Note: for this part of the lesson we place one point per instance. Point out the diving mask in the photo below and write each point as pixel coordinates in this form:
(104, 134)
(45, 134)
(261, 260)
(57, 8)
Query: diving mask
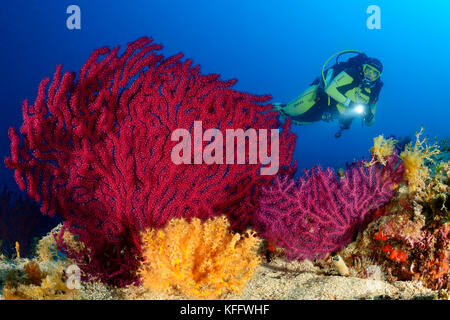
(370, 73)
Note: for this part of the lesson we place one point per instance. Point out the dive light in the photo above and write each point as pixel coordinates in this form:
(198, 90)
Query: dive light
(359, 109)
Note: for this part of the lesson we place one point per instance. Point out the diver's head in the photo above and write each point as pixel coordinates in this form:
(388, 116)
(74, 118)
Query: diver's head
(372, 70)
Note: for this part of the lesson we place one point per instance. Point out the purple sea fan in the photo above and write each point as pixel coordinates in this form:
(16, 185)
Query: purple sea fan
(321, 213)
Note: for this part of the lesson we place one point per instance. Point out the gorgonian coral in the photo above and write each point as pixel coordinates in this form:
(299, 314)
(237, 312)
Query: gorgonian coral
(198, 259)
(321, 213)
(97, 150)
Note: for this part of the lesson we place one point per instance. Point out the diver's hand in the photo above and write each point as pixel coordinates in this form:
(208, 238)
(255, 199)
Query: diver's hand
(347, 103)
(358, 109)
(352, 106)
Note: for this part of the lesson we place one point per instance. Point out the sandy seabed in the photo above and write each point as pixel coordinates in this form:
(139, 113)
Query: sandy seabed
(275, 280)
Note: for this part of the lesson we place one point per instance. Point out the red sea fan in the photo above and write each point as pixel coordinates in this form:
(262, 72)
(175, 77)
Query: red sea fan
(321, 213)
(97, 151)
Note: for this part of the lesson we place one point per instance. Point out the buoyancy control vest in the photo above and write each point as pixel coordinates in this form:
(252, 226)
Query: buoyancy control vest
(353, 66)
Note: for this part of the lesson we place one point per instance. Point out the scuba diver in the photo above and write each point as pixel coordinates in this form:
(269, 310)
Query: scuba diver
(346, 91)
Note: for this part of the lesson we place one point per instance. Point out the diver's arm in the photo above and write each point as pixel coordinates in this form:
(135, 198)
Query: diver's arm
(341, 79)
(369, 119)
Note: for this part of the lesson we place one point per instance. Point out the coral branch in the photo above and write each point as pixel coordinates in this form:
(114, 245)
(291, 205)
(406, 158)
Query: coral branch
(96, 150)
(320, 213)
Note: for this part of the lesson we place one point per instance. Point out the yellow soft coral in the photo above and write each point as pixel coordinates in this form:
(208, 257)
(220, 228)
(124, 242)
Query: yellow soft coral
(414, 161)
(198, 259)
(381, 150)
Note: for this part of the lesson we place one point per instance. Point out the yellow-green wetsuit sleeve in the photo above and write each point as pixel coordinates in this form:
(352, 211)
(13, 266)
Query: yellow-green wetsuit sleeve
(341, 79)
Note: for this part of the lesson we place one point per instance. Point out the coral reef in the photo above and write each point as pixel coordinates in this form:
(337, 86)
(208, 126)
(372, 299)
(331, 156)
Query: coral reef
(403, 253)
(412, 241)
(43, 278)
(444, 148)
(321, 213)
(366, 268)
(409, 239)
(96, 150)
(36, 285)
(198, 259)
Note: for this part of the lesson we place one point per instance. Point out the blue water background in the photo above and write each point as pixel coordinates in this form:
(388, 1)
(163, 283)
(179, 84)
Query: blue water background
(275, 47)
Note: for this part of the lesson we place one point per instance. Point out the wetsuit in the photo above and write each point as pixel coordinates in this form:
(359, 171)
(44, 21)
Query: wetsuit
(317, 103)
